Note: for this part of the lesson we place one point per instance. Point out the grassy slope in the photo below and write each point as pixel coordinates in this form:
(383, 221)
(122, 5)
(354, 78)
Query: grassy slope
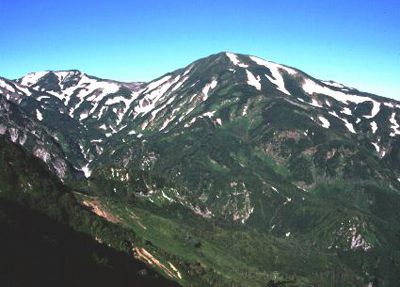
(49, 237)
(206, 252)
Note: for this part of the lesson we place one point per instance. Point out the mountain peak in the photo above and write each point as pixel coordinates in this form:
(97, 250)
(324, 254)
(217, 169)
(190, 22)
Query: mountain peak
(33, 77)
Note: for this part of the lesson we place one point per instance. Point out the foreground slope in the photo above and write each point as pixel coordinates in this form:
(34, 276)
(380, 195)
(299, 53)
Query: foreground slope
(46, 235)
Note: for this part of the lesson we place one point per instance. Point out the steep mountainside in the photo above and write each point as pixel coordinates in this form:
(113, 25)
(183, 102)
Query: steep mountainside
(45, 233)
(245, 146)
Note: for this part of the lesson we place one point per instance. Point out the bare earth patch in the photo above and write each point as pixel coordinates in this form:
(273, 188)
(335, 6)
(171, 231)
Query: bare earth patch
(98, 209)
(145, 256)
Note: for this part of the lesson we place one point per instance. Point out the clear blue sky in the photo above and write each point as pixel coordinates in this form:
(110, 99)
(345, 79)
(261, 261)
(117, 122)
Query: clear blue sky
(351, 41)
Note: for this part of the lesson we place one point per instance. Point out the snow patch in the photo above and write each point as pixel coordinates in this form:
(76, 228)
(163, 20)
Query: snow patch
(333, 84)
(374, 127)
(42, 97)
(157, 92)
(311, 87)
(87, 172)
(166, 197)
(346, 111)
(234, 59)
(13, 134)
(390, 105)
(207, 88)
(6, 86)
(39, 115)
(157, 83)
(315, 103)
(375, 110)
(325, 123)
(209, 114)
(253, 81)
(395, 126)
(179, 84)
(274, 68)
(84, 115)
(349, 126)
(245, 110)
(32, 78)
(376, 147)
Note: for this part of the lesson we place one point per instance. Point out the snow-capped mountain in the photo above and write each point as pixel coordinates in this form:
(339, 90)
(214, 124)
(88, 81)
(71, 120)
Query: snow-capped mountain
(104, 108)
(230, 137)
(98, 115)
(83, 96)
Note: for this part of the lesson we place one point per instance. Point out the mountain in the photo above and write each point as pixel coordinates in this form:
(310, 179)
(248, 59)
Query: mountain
(259, 173)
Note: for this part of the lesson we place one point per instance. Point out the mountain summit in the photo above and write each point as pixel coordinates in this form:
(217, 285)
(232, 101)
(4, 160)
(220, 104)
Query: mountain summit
(299, 176)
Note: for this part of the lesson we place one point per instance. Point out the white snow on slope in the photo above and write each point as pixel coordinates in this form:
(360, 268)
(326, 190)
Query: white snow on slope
(61, 75)
(86, 170)
(315, 103)
(115, 100)
(84, 115)
(374, 127)
(277, 76)
(325, 123)
(311, 87)
(32, 78)
(245, 110)
(208, 87)
(6, 86)
(349, 126)
(42, 97)
(179, 84)
(166, 123)
(166, 197)
(346, 111)
(253, 81)
(376, 147)
(97, 89)
(209, 114)
(86, 86)
(395, 126)
(333, 113)
(39, 115)
(89, 86)
(333, 84)
(156, 84)
(234, 59)
(157, 91)
(127, 102)
(390, 105)
(375, 110)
